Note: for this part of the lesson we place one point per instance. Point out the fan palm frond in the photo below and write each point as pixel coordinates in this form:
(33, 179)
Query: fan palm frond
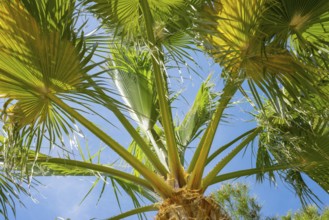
(244, 44)
(302, 136)
(237, 37)
(40, 54)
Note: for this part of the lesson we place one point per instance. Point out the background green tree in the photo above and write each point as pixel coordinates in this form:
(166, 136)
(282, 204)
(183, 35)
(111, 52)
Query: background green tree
(236, 199)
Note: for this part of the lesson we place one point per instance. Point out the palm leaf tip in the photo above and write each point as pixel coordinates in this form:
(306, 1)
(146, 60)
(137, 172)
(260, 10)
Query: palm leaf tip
(198, 115)
(9, 195)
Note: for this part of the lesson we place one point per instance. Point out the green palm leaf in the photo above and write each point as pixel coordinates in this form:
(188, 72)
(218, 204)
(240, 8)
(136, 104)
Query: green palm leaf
(11, 186)
(39, 55)
(136, 188)
(132, 74)
(301, 26)
(10, 190)
(244, 44)
(173, 21)
(133, 78)
(300, 137)
(198, 115)
(123, 17)
(302, 22)
(135, 150)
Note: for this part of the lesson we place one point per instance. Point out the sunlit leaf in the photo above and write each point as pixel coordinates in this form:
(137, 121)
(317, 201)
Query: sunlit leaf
(198, 115)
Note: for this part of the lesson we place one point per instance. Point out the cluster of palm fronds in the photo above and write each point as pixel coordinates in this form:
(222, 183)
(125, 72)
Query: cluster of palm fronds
(53, 76)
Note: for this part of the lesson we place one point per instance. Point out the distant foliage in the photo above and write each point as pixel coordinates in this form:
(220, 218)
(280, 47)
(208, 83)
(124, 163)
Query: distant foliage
(236, 200)
(310, 212)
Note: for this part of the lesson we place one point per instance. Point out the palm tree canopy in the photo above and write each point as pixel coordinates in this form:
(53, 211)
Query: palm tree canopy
(51, 81)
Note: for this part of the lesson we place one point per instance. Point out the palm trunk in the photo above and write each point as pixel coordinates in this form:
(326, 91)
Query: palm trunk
(190, 205)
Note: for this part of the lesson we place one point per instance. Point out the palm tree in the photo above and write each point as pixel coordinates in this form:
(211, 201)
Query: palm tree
(53, 76)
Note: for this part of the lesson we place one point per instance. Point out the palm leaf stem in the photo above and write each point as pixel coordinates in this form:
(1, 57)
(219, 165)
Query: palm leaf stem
(226, 146)
(143, 209)
(174, 162)
(93, 167)
(156, 181)
(157, 138)
(199, 159)
(132, 131)
(213, 173)
(248, 172)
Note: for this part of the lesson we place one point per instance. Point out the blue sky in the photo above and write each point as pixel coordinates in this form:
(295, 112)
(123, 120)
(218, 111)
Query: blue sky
(60, 197)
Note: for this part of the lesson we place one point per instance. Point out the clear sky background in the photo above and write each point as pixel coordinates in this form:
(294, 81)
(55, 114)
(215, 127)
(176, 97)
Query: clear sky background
(60, 197)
